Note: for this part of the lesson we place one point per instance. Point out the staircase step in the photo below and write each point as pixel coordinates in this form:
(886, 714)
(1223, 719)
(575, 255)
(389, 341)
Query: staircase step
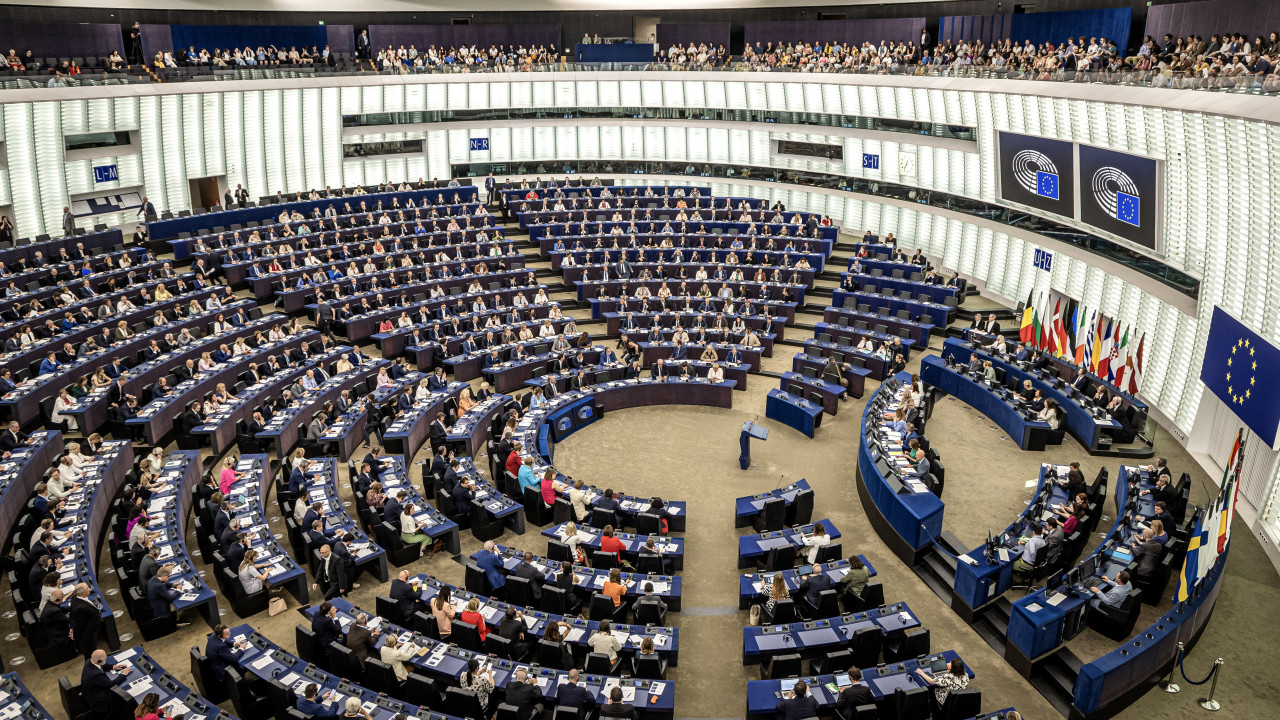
(996, 639)
(803, 326)
(1048, 687)
(952, 544)
(928, 573)
(768, 374)
(1060, 673)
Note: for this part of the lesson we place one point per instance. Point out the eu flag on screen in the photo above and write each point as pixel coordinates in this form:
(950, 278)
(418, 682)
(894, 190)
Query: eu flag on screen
(1047, 184)
(1243, 370)
(1127, 208)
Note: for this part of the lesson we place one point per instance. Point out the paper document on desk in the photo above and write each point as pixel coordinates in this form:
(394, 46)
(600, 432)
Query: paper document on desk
(1056, 598)
(140, 687)
(628, 693)
(575, 635)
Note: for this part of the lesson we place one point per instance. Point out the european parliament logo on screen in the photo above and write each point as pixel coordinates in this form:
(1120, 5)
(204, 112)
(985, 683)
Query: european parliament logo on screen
(1117, 194)
(1120, 194)
(1037, 172)
(1243, 369)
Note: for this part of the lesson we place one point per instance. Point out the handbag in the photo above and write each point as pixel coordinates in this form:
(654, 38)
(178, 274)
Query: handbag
(754, 615)
(277, 606)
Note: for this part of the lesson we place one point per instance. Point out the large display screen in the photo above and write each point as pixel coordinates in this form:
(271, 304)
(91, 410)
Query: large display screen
(1037, 172)
(1119, 194)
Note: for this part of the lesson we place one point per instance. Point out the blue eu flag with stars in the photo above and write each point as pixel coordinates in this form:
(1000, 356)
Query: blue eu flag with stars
(1047, 185)
(1243, 370)
(1128, 208)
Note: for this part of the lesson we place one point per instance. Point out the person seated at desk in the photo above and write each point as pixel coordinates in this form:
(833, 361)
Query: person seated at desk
(1161, 513)
(797, 703)
(954, 679)
(812, 586)
(313, 704)
(815, 541)
(1027, 391)
(1162, 492)
(1115, 594)
(857, 694)
(1048, 411)
(1158, 533)
(989, 372)
(999, 345)
(1032, 546)
(855, 580)
(1025, 353)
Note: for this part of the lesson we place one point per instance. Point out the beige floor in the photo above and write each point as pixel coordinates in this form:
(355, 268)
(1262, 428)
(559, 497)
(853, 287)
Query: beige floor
(691, 454)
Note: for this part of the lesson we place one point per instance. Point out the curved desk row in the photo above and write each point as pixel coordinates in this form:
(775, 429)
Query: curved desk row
(284, 426)
(789, 292)
(670, 548)
(321, 486)
(221, 428)
(699, 254)
(171, 228)
(666, 639)
(19, 702)
(24, 402)
(809, 638)
(598, 374)
(84, 521)
(906, 519)
(347, 432)
(449, 343)
(144, 675)
(1000, 405)
(286, 676)
(512, 374)
(248, 513)
(158, 417)
(918, 289)
(638, 323)
(587, 580)
(22, 471)
(410, 428)
(1080, 419)
(753, 547)
(923, 311)
(919, 332)
(394, 283)
(883, 680)
(678, 270)
(730, 307)
(181, 473)
(754, 587)
(362, 326)
(877, 365)
(394, 478)
(977, 585)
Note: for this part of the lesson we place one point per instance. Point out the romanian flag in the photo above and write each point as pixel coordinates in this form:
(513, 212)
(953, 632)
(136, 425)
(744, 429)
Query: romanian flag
(1026, 329)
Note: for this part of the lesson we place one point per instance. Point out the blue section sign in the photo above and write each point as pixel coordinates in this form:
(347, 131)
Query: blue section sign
(479, 144)
(1043, 259)
(870, 162)
(106, 173)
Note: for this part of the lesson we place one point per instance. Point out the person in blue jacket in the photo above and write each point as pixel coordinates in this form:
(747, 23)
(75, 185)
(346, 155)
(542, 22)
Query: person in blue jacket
(489, 561)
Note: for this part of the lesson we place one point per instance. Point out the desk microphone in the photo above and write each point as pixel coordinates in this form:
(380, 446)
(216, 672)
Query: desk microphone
(780, 479)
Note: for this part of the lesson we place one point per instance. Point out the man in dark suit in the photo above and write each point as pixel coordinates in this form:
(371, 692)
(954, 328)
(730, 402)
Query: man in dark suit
(95, 684)
(325, 625)
(798, 703)
(525, 695)
(579, 698)
(525, 569)
(659, 370)
(85, 619)
(490, 189)
(856, 694)
(403, 596)
(54, 621)
(813, 585)
(1147, 553)
(221, 651)
(437, 430)
(391, 511)
(235, 554)
(331, 575)
(160, 594)
(1162, 492)
(1163, 515)
(360, 638)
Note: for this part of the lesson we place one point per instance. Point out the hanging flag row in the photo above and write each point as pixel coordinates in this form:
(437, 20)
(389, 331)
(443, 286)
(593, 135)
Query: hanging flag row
(1212, 534)
(1066, 329)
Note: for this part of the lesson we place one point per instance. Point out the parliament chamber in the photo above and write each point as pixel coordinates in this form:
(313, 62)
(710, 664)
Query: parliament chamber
(379, 364)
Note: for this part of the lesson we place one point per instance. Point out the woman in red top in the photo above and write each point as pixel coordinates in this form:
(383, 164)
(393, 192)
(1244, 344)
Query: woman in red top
(148, 709)
(472, 616)
(1077, 516)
